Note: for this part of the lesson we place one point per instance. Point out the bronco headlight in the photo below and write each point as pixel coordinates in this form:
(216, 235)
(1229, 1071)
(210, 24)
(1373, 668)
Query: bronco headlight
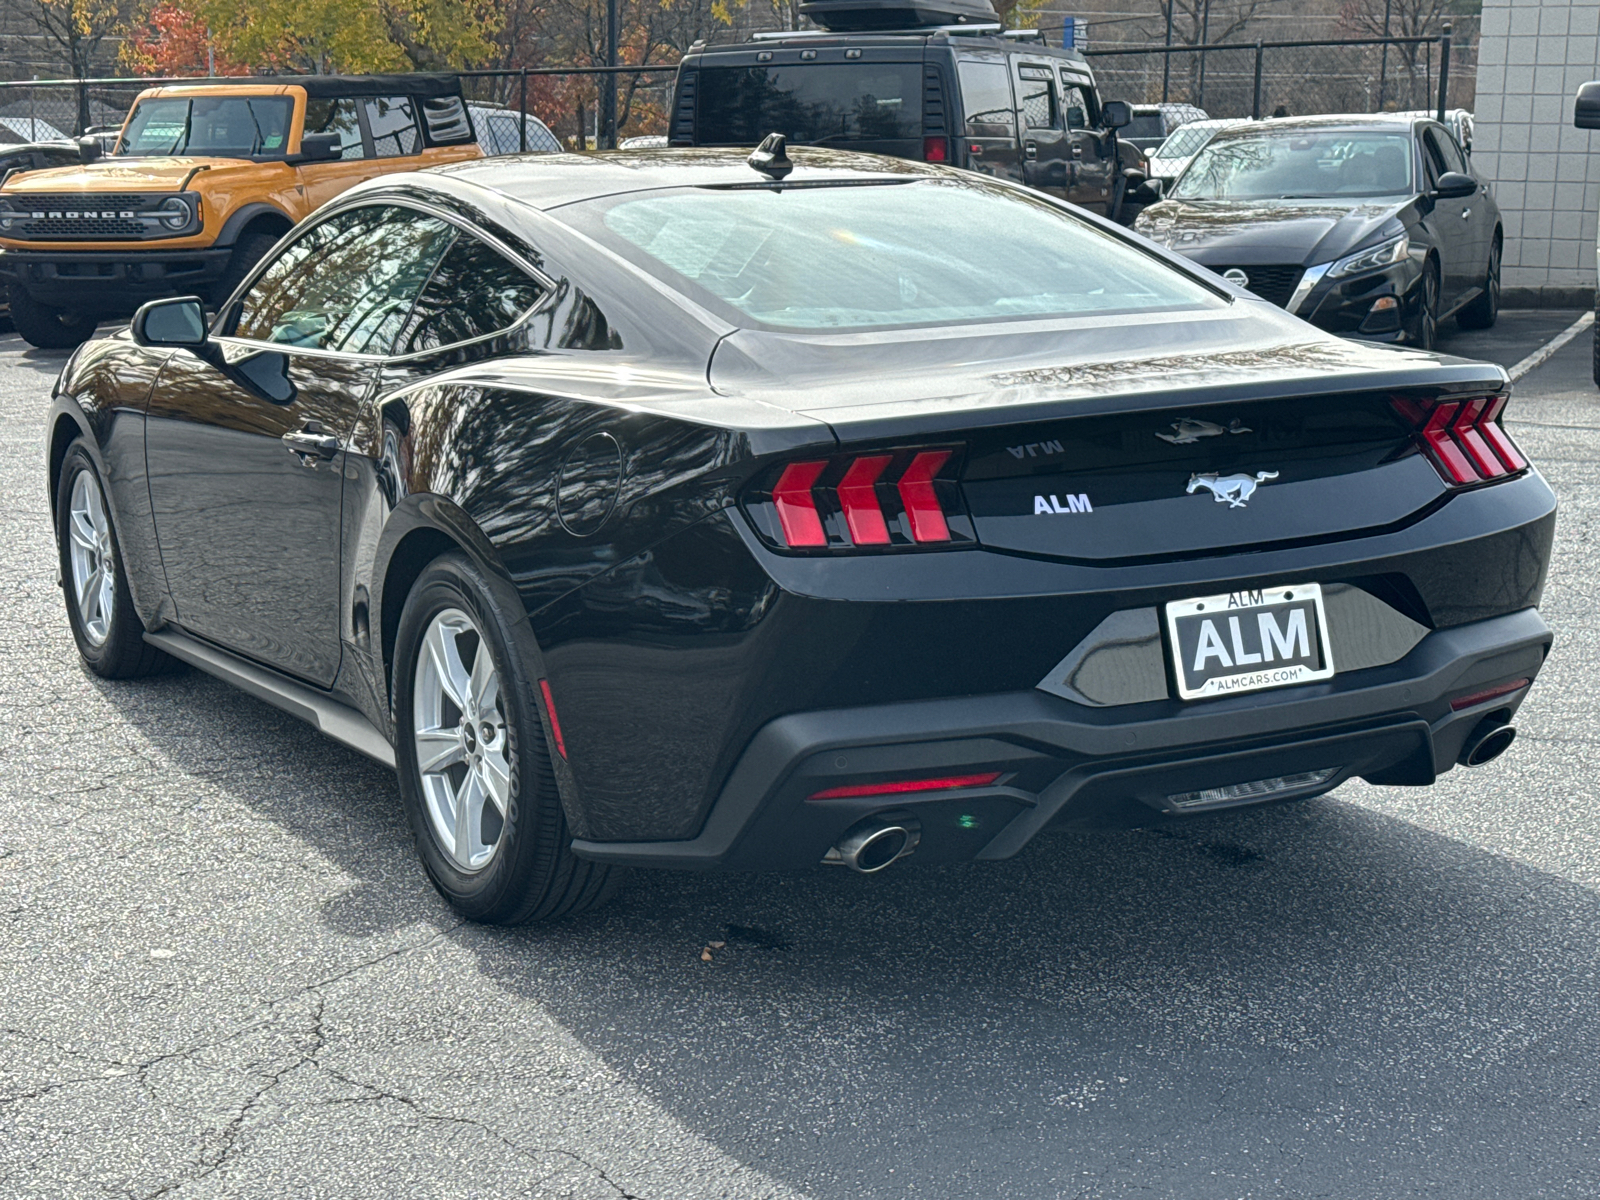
(1383, 255)
(9, 216)
(174, 213)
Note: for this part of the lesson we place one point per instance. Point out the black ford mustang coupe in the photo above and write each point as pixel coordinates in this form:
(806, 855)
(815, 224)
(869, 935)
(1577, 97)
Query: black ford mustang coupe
(683, 509)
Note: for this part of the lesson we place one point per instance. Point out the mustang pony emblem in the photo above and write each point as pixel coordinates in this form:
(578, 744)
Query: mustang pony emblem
(1233, 490)
(1188, 430)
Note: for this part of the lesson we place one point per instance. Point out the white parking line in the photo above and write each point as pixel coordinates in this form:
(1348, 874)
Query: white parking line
(1543, 353)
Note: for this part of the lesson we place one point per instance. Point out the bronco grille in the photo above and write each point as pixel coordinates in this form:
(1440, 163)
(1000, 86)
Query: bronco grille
(1273, 284)
(91, 216)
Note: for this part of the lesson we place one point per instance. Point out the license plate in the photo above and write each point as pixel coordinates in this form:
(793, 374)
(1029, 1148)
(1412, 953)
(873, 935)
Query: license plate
(1247, 641)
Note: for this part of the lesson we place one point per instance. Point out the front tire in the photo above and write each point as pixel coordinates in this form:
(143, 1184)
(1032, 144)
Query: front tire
(100, 610)
(1426, 330)
(475, 774)
(1483, 312)
(247, 252)
(46, 326)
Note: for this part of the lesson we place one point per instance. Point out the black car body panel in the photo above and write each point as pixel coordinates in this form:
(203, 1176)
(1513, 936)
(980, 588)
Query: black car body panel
(1283, 247)
(603, 459)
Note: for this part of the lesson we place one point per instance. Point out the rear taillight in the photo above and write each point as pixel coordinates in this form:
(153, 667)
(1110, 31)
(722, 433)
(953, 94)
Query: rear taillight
(1462, 438)
(887, 499)
(935, 149)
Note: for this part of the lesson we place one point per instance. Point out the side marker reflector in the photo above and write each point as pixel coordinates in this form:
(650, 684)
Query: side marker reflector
(897, 787)
(555, 721)
(1494, 693)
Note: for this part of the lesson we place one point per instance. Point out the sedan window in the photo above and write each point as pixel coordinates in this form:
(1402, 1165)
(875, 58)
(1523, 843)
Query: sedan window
(884, 255)
(346, 284)
(1299, 165)
(476, 291)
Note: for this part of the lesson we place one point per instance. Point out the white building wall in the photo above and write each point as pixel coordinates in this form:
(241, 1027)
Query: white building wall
(1532, 57)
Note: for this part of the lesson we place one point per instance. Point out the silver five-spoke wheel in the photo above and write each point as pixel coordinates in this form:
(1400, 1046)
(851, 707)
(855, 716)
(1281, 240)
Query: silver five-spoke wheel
(460, 736)
(94, 579)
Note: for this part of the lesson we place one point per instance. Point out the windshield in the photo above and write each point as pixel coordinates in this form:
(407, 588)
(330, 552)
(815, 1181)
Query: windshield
(883, 255)
(1297, 164)
(1184, 141)
(826, 104)
(227, 126)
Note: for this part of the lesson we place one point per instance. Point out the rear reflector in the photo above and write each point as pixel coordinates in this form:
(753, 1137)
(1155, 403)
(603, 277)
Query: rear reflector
(922, 505)
(555, 721)
(891, 499)
(898, 787)
(935, 149)
(1494, 693)
(797, 508)
(1463, 438)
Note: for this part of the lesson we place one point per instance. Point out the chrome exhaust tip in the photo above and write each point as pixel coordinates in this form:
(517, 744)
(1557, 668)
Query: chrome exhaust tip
(876, 843)
(1487, 742)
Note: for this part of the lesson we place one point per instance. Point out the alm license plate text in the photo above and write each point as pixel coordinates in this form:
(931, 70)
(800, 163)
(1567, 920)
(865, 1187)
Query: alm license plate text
(1246, 641)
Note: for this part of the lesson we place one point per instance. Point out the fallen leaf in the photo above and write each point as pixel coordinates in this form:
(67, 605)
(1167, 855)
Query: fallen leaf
(718, 945)
(705, 955)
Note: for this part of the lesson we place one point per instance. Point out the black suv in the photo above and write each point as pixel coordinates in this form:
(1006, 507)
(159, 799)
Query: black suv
(967, 92)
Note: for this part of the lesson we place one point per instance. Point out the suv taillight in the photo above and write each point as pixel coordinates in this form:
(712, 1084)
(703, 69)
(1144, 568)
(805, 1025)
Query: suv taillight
(886, 499)
(1462, 438)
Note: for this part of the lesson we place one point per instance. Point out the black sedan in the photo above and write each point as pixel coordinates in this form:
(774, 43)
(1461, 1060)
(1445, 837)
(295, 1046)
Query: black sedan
(1371, 227)
(679, 509)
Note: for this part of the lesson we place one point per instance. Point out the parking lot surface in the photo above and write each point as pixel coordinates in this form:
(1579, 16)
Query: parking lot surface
(226, 974)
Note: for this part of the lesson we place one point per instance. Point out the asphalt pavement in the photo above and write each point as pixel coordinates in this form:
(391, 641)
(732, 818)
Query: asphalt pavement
(225, 974)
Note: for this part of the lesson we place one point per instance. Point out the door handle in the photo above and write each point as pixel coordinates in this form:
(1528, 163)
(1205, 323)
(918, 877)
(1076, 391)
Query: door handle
(1077, 150)
(1465, 213)
(1029, 150)
(312, 443)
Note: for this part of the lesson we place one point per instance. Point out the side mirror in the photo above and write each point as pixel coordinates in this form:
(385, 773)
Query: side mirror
(178, 323)
(1586, 109)
(1116, 114)
(1453, 185)
(320, 147)
(89, 149)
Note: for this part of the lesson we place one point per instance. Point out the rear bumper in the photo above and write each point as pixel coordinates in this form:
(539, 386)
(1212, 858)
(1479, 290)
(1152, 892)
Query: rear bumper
(111, 283)
(1059, 760)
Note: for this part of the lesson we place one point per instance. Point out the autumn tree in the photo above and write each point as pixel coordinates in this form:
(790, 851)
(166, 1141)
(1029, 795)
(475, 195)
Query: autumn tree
(172, 41)
(74, 30)
(1410, 65)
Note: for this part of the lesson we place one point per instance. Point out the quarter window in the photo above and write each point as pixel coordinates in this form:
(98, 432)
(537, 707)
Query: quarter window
(986, 96)
(1076, 106)
(337, 116)
(476, 291)
(393, 122)
(348, 283)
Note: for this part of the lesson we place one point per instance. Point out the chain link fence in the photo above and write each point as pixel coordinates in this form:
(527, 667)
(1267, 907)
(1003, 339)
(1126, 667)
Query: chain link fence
(1301, 78)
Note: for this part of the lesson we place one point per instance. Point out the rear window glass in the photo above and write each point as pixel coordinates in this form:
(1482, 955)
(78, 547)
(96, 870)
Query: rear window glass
(883, 256)
(821, 104)
(1145, 125)
(232, 126)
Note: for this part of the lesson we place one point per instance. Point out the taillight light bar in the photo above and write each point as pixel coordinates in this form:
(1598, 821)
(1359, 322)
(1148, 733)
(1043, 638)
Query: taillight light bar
(884, 499)
(1463, 439)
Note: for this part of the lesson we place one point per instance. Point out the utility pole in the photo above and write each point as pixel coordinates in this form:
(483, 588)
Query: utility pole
(607, 138)
(1383, 61)
(1166, 59)
(1205, 36)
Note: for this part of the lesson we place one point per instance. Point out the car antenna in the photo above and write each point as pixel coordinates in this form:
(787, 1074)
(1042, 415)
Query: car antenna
(772, 156)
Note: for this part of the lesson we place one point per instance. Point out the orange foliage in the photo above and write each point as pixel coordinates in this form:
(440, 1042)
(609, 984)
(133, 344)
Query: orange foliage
(174, 42)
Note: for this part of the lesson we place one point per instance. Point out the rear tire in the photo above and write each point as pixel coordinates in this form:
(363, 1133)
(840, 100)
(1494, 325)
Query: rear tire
(247, 252)
(44, 325)
(1483, 312)
(100, 609)
(475, 774)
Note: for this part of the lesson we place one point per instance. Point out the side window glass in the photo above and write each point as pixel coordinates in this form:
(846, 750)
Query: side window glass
(1038, 95)
(1453, 160)
(347, 284)
(505, 134)
(476, 291)
(1077, 108)
(986, 96)
(337, 116)
(393, 123)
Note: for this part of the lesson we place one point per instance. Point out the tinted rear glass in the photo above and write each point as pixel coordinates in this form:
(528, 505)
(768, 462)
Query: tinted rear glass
(235, 126)
(1145, 126)
(820, 104)
(882, 256)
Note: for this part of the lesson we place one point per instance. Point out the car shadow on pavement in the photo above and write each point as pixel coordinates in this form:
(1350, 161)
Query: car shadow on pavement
(1284, 1001)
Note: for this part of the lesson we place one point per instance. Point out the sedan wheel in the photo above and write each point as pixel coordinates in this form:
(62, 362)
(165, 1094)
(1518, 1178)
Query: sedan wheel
(1427, 327)
(475, 770)
(1484, 310)
(100, 609)
(460, 738)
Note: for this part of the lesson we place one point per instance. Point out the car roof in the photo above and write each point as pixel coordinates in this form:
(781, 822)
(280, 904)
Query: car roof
(320, 87)
(1352, 121)
(550, 180)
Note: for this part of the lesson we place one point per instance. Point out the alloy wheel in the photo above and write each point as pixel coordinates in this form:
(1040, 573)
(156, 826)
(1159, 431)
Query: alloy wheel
(459, 733)
(94, 579)
(1495, 253)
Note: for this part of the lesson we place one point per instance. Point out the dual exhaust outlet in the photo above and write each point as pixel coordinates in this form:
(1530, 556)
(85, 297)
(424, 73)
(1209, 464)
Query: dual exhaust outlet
(1489, 739)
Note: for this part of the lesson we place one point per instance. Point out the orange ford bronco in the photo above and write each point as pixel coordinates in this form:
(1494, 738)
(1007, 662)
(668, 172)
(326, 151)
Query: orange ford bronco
(204, 179)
